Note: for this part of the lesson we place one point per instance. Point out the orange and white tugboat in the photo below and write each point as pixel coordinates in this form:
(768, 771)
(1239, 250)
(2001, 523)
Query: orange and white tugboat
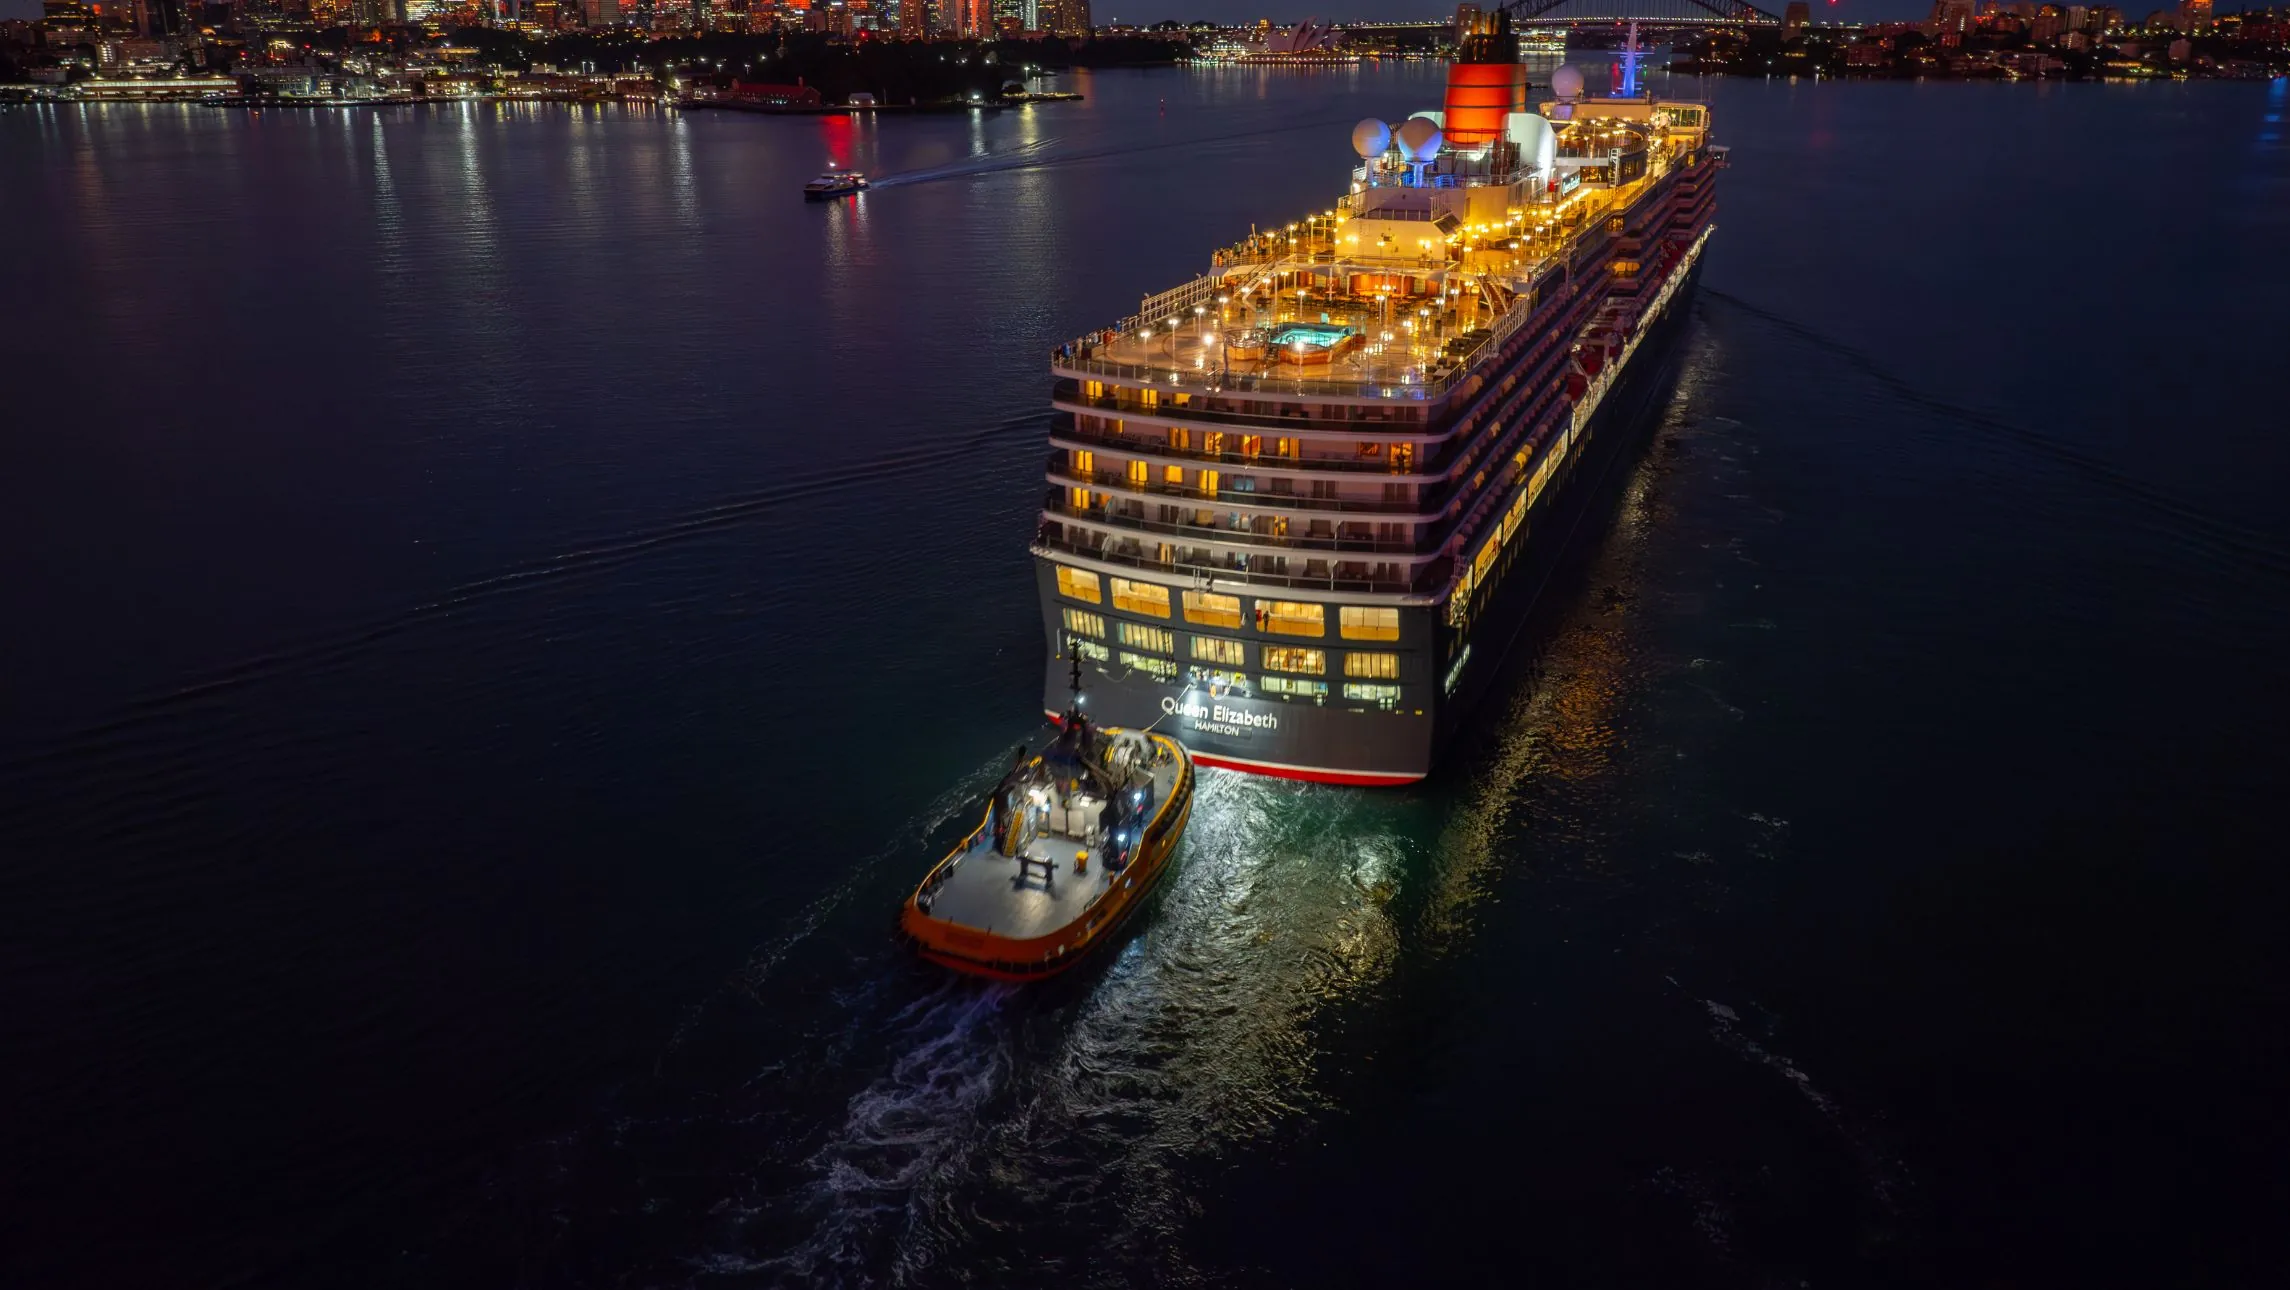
(1072, 842)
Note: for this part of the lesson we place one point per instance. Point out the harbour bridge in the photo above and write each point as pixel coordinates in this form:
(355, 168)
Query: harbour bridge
(1652, 16)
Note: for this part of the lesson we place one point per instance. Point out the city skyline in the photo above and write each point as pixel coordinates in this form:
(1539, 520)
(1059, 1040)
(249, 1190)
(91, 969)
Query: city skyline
(1243, 11)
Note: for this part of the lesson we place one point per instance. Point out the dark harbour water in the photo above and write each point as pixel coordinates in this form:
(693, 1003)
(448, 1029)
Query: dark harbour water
(501, 602)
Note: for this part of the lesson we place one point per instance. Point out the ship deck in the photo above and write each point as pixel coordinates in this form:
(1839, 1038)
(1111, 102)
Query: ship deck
(987, 891)
(1299, 276)
(992, 892)
(1394, 353)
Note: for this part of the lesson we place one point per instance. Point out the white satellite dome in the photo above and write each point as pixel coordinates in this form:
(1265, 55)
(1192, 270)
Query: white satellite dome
(1370, 138)
(1566, 82)
(1419, 140)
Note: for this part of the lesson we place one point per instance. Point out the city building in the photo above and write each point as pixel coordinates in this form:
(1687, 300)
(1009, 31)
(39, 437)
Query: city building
(1065, 17)
(1466, 21)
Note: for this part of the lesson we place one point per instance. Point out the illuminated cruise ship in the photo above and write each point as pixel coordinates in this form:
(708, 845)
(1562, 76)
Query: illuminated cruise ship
(1299, 505)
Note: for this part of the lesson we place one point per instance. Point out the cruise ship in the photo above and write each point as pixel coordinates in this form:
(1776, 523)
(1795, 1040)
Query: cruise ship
(1299, 506)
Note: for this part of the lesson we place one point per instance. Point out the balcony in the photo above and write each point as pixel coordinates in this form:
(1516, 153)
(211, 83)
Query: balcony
(1064, 426)
(1428, 581)
(1291, 419)
(1056, 503)
(1252, 499)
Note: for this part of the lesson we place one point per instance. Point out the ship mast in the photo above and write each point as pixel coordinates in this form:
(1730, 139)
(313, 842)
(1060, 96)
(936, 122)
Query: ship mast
(1631, 53)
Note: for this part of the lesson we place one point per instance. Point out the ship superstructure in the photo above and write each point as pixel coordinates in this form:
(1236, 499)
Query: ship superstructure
(1299, 504)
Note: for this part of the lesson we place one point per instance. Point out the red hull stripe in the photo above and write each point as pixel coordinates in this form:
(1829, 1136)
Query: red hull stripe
(1356, 778)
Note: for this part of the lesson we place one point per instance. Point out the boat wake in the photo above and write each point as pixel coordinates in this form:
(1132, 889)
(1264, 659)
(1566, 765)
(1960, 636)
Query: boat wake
(935, 1120)
(907, 1139)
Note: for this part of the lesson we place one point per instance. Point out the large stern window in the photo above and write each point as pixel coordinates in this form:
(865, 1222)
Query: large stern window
(1080, 584)
(1212, 610)
(1216, 649)
(1372, 665)
(1291, 618)
(1286, 658)
(1147, 637)
(1366, 623)
(1141, 597)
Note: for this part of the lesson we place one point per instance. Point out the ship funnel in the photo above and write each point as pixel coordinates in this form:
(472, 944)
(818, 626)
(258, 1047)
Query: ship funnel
(1486, 82)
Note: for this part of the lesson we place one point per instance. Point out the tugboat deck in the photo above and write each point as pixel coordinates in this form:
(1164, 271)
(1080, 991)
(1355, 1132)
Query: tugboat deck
(991, 892)
(994, 893)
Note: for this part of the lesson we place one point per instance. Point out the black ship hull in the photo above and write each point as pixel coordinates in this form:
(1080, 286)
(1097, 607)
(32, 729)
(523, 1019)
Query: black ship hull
(1447, 671)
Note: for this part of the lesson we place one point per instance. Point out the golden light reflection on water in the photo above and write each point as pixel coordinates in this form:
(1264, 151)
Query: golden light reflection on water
(1560, 735)
(1278, 912)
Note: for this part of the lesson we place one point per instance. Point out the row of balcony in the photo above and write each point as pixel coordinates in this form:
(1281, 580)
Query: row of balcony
(1065, 426)
(1168, 561)
(1231, 493)
(1433, 469)
(1275, 534)
(1287, 417)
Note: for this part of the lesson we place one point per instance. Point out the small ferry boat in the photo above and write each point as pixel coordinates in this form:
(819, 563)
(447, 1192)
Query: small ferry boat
(1071, 844)
(835, 183)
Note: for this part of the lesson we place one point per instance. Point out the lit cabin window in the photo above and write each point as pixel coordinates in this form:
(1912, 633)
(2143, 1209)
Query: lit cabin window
(1084, 622)
(1080, 584)
(1089, 649)
(1285, 658)
(1084, 462)
(1371, 664)
(1212, 610)
(1216, 649)
(1140, 597)
(1291, 685)
(1383, 696)
(1365, 623)
(1219, 679)
(1148, 637)
(1160, 668)
(1291, 618)
(1137, 474)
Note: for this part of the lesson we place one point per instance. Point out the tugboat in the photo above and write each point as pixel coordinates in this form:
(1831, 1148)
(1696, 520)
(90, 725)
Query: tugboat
(1071, 843)
(835, 183)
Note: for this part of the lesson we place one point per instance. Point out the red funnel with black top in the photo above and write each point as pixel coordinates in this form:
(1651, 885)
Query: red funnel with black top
(1485, 84)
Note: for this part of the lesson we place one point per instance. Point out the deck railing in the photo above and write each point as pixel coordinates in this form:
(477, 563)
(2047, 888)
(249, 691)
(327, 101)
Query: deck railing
(1429, 579)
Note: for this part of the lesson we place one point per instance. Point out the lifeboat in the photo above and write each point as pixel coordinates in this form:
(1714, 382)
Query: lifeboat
(1071, 843)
